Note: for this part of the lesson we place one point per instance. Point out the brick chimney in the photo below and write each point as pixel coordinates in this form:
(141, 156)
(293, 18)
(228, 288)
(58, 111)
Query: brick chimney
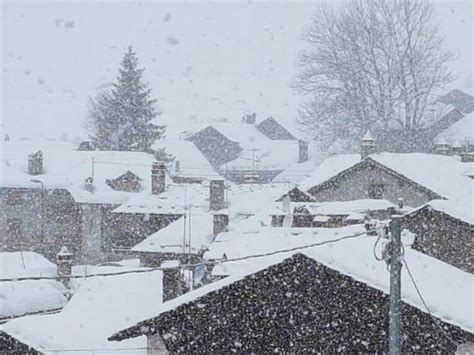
(220, 223)
(303, 151)
(35, 163)
(158, 177)
(367, 146)
(216, 195)
(64, 264)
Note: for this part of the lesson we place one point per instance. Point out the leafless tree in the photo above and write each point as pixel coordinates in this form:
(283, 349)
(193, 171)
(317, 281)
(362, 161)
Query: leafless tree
(370, 64)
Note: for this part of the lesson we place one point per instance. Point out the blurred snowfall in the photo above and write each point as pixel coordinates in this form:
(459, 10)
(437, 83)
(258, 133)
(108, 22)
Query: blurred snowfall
(204, 61)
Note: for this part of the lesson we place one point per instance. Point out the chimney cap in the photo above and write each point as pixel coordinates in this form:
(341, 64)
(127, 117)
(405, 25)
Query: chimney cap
(368, 137)
(64, 252)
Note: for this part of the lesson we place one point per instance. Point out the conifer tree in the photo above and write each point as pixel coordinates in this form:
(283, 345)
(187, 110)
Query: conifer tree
(122, 118)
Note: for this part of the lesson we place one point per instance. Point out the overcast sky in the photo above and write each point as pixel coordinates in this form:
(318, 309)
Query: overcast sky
(201, 59)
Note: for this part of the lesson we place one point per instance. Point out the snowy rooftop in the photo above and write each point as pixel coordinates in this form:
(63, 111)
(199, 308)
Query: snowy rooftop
(447, 290)
(462, 131)
(170, 238)
(25, 264)
(174, 200)
(68, 169)
(461, 211)
(339, 207)
(191, 161)
(101, 306)
(441, 174)
(271, 155)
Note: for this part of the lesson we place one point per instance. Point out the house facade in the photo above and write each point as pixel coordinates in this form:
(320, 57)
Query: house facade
(371, 180)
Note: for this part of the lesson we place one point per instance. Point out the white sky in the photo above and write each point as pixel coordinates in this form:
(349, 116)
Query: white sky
(203, 60)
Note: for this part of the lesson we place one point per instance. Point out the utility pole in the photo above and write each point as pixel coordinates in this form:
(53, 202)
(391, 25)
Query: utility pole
(395, 312)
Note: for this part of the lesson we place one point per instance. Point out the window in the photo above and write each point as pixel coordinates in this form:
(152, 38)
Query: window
(376, 191)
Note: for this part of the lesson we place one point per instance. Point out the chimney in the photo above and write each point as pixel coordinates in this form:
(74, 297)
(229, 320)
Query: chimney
(442, 147)
(216, 195)
(173, 283)
(249, 118)
(457, 148)
(220, 223)
(35, 163)
(158, 177)
(367, 146)
(177, 166)
(64, 265)
(303, 151)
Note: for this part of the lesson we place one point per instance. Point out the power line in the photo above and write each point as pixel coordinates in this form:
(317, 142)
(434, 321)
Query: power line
(436, 321)
(186, 266)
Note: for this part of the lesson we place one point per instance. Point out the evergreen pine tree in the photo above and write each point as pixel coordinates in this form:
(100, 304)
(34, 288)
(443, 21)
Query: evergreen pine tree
(122, 119)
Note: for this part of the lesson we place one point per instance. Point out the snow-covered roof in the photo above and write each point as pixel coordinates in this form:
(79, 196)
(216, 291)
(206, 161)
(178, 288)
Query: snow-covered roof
(461, 211)
(443, 175)
(339, 207)
(68, 169)
(18, 298)
(101, 306)
(446, 289)
(173, 200)
(25, 264)
(191, 161)
(461, 131)
(170, 238)
(329, 168)
(271, 155)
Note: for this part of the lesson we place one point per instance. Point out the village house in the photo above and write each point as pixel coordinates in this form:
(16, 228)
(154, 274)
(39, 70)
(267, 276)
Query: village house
(330, 298)
(389, 176)
(60, 197)
(444, 230)
(249, 152)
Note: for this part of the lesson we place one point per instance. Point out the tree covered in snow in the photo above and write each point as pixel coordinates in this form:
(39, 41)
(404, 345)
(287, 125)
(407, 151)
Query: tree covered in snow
(122, 119)
(370, 64)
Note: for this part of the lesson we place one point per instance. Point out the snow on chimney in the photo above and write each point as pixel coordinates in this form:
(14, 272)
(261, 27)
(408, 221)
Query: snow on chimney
(35, 163)
(303, 151)
(367, 146)
(158, 177)
(216, 195)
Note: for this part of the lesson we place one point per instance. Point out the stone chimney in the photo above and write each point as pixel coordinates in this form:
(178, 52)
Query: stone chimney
(64, 264)
(442, 147)
(249, 118)
(173, 283)
(158, 177)
(220, 223)
(367, 146)
(35, 163)
(216, 195)
(303, 151)
(177, 166)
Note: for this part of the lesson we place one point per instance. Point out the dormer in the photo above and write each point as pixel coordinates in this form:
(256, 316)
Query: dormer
(128, 182)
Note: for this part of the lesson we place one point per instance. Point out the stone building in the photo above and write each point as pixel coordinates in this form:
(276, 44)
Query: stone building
(444, 230)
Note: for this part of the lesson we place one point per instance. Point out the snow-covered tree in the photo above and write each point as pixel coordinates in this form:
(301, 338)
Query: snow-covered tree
(370, 64)
(122, 119)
